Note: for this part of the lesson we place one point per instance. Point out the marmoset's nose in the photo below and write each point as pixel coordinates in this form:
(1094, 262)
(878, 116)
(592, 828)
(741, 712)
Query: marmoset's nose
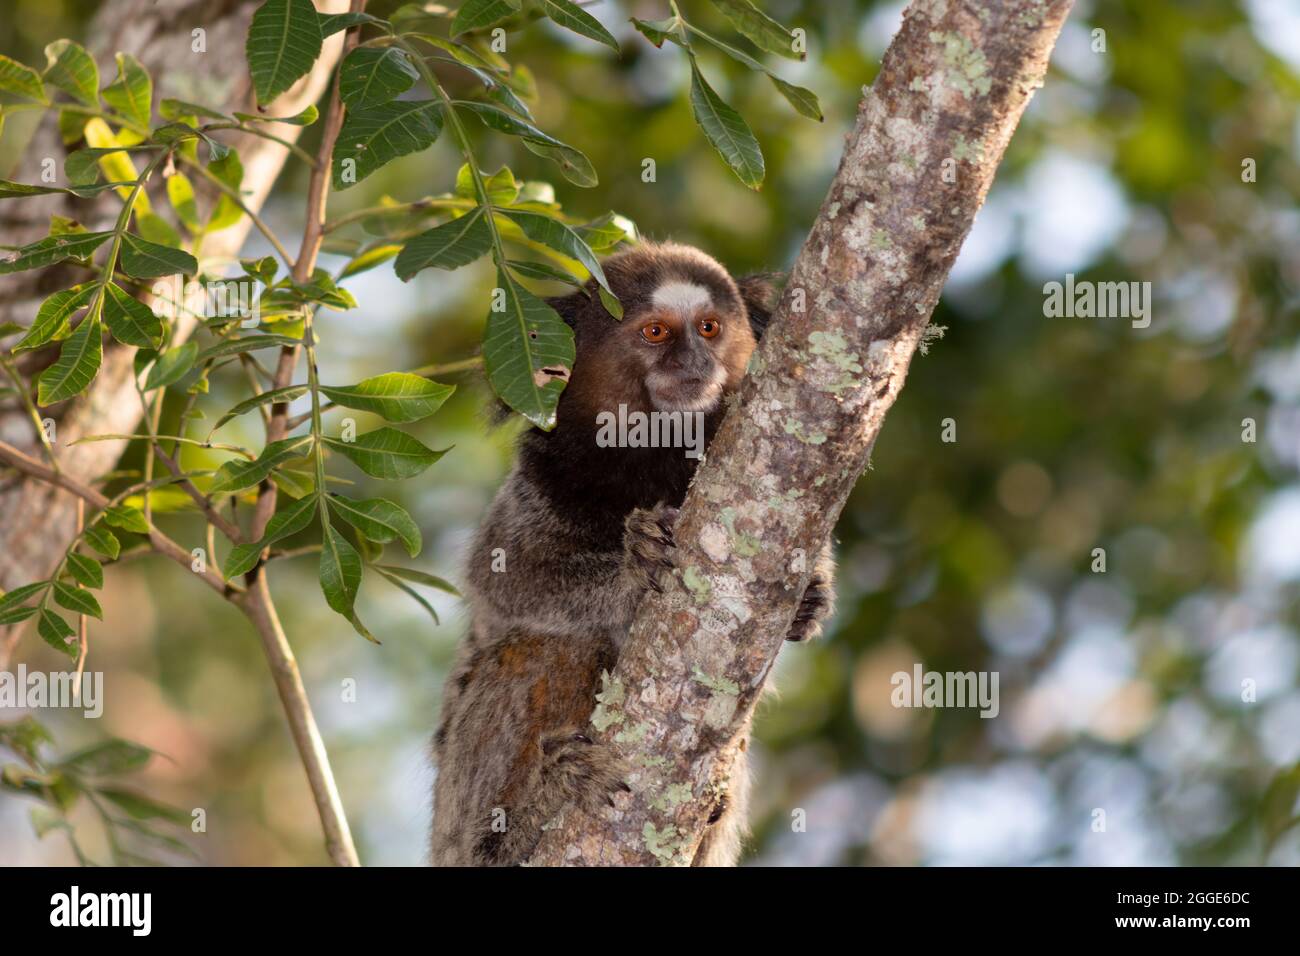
(689, 357)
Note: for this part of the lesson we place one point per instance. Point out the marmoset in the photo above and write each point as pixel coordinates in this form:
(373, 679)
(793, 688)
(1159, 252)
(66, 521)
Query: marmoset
(575, 537)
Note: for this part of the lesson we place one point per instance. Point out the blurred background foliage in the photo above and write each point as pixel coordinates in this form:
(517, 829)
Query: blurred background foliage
(1120, 691)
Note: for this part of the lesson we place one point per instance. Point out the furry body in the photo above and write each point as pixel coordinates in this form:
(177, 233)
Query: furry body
(572, 541)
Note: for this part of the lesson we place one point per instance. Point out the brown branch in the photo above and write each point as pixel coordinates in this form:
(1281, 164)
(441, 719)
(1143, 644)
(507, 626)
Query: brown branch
(951, 90)
(215, 517)
(312, 237)
(258, 607)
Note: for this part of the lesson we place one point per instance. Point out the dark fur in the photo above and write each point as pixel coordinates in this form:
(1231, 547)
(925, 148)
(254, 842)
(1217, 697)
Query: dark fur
(584, 531)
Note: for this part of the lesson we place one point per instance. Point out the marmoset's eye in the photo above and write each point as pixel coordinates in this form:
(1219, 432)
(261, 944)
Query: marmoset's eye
(709, 327)
(656, 333)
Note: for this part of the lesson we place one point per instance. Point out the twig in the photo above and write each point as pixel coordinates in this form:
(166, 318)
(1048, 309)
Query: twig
(260, 610)
(161, 543)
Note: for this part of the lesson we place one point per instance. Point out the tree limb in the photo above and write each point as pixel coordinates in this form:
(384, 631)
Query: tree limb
(951, 89)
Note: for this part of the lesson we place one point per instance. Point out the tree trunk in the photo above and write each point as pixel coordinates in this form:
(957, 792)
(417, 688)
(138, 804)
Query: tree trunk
(916, 167)
(39, 519)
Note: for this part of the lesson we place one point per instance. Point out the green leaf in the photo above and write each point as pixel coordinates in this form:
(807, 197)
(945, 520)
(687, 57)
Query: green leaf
(724, 128)
(241, 559)
(608, 232)
(52, 317)
(71, 69)
(387, 453)
(174, 109)
(12, 599)
(410, 592)
(480, 14)
(78, 363)
(130, 320)
(155, 228)
(527, 352)
(148, 260)
(239, 473)
(264, 268)
(331, 23)
(375, 256)
(183, 133)
(55, 631)
(760, 29)
(556, 235)
(225, 213)
(180, 193)
(86, 570)
(109, 758)
(75, 599)
(294, 483)
(397, 396)
(170, 367)
(572, 17)
(284, 40)
(304, 117)
(143, 808)
(18, 78)
(502, 187)
(419, 577)
(248, 343)
(289, 521)
(103, 541)
(371, 76)
(379, 520)
(449, 246)
(804, 101)
(52, 249)
(286, 394)
(16, 615)
(373, 137)
(657, 31)
(12, 190)
(543, 271)
(575, 166)
(128, 518)
(340, 572)
(131, 94)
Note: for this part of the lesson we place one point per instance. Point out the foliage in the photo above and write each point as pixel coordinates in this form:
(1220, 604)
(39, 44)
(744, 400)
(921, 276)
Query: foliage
(393, 104)
(138, 829)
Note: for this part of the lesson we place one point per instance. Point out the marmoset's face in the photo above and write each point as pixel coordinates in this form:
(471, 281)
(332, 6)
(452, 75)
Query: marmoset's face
(689, 346)
(682, 344)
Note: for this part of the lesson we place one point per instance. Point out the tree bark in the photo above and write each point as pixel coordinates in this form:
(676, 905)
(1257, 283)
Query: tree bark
(39, 519)
(928, 138)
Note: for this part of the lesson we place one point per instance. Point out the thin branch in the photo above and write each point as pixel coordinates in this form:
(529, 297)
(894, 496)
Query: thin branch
(164, 545)
(258, 607)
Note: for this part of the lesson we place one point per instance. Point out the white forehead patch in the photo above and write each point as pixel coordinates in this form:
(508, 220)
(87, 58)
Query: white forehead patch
(682, 297)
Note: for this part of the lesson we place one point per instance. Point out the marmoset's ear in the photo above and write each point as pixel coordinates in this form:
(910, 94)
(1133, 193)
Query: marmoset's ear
(568, 306)
(760, 292)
